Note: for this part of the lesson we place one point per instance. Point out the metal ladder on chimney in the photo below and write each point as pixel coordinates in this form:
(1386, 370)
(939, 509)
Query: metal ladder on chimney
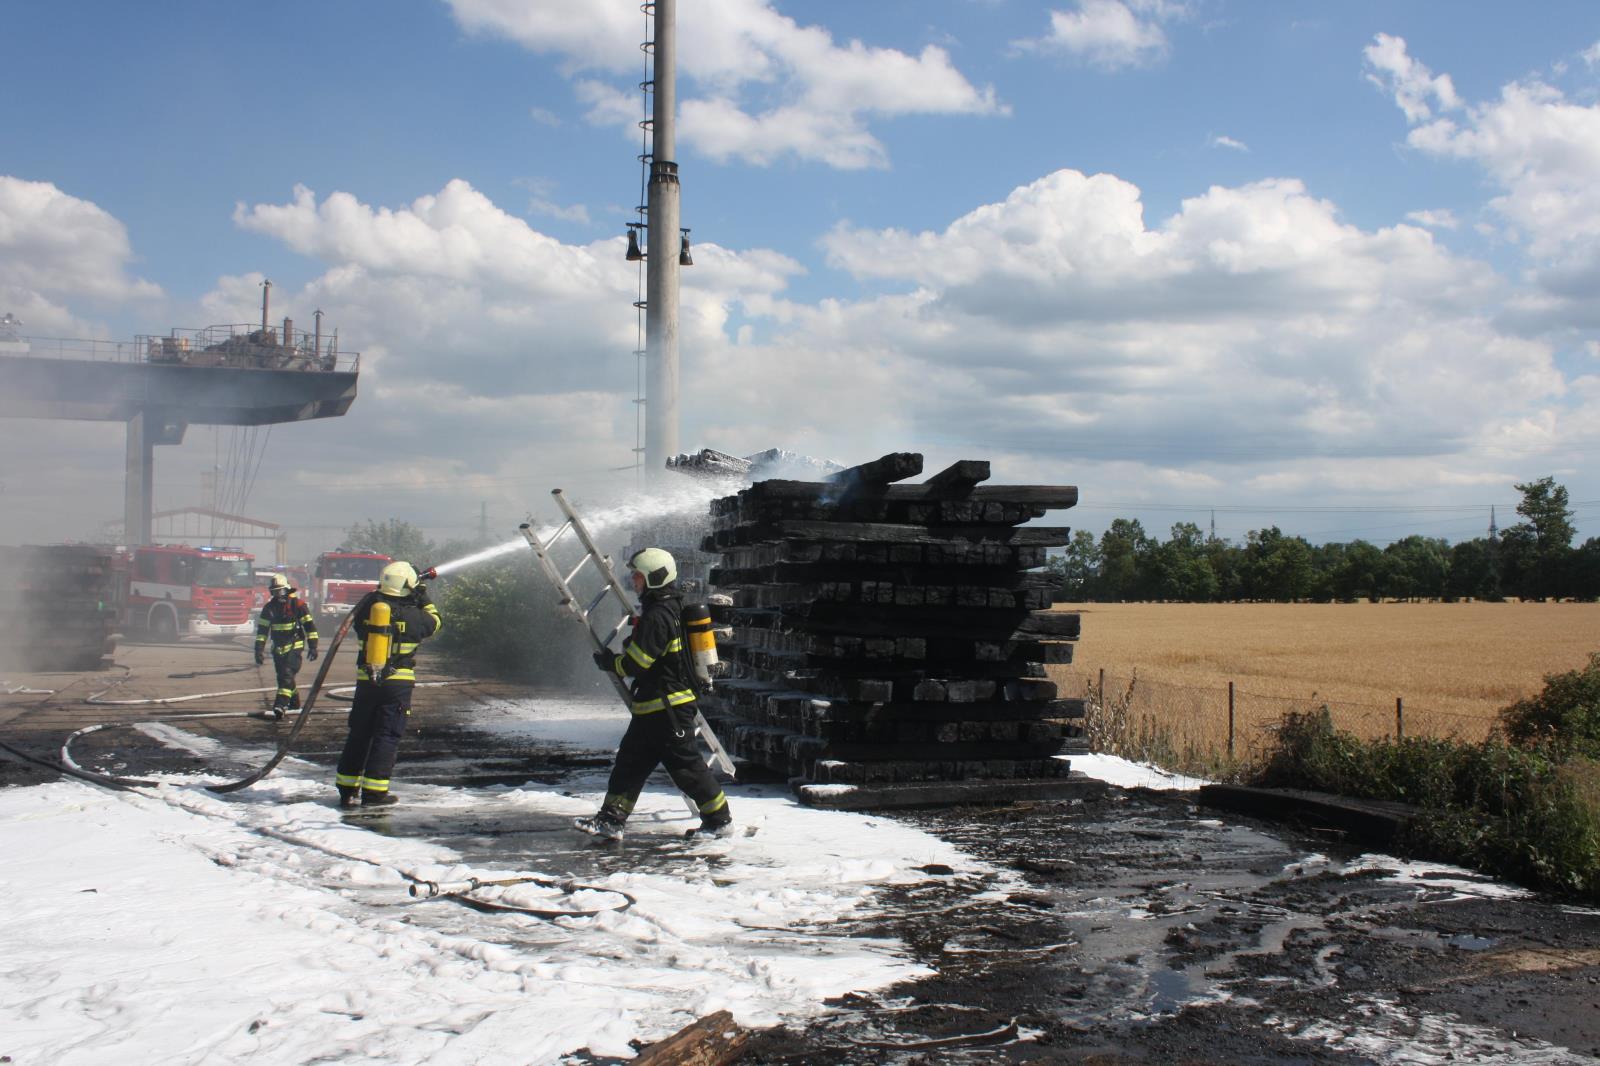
(584, 612)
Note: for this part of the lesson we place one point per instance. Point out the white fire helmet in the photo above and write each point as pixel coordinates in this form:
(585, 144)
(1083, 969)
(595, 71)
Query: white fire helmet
(397, 579)
(281, 584)
(657, 565)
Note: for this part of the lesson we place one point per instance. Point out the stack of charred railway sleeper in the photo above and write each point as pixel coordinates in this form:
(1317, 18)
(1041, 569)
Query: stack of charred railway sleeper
(888, 641)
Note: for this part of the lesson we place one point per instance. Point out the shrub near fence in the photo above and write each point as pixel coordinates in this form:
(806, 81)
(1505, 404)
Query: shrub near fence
(1214, 730)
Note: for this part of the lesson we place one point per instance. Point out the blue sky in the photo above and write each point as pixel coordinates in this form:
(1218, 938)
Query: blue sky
(1262, 259)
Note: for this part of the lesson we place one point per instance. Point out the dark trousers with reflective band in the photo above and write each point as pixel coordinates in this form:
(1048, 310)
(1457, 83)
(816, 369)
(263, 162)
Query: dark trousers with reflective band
(663, 738)
(377, 721)
(288, 665)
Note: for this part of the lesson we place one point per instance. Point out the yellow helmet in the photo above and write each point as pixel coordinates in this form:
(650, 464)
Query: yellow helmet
(281, 582)
(657, 565)
(397, 579)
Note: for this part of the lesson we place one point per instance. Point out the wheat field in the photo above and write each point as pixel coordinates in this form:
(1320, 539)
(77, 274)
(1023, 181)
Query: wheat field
(1453, 665)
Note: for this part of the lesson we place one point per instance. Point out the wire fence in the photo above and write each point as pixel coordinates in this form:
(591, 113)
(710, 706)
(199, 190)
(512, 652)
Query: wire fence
(1213, 729)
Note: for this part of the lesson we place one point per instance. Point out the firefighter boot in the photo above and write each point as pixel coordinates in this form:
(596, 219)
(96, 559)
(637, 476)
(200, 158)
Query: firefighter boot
(718, 824)
(385, 798)
(349, 796)
(601, 825)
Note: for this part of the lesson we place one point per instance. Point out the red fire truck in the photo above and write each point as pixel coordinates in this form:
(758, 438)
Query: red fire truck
(340, 578)
(175, 591)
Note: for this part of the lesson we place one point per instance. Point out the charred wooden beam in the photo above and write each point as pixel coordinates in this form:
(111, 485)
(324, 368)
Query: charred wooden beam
(896, 466)
(960, 476)
(1055, 497)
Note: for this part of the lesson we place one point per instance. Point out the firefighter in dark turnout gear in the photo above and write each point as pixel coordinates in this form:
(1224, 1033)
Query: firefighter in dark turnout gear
(287, 621)
(661, 730)
(391, 622)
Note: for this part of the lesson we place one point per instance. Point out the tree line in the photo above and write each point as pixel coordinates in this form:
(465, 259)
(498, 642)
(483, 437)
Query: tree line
(1533, 559)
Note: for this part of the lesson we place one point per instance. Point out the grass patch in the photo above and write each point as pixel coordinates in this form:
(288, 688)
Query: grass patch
(1522, 805)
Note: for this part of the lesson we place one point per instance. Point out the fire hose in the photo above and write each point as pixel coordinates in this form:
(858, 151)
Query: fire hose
(300, 720)
(461, 890)
(67, 766)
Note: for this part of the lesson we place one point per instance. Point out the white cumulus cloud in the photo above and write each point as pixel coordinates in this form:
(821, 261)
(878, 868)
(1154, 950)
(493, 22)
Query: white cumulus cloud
(1416, 89)
(57, 251)
(1108, 33)
(1439, 218)
(1541, 150)
(735, 58)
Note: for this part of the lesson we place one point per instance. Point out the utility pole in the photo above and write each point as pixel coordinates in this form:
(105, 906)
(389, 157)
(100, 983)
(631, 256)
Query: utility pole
(661, 267)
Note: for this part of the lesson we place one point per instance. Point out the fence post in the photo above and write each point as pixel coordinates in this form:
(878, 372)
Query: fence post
(1230, 719)
(1102, 688)
(1399, 718)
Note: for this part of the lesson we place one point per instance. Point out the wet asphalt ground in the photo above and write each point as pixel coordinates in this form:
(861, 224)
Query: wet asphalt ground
(1148, 929)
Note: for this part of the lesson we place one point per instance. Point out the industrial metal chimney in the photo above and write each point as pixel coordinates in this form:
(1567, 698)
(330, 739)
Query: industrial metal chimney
(661, 311)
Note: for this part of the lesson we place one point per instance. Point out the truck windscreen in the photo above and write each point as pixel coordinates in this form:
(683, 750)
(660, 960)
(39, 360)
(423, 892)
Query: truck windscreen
(225, 573)
(354, 569)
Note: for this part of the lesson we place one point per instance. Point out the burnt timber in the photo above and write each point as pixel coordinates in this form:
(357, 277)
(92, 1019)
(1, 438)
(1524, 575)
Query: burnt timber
(884, 644)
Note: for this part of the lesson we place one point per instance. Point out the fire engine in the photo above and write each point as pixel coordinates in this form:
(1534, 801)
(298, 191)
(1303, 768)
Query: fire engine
(175, 590)
(340, 578)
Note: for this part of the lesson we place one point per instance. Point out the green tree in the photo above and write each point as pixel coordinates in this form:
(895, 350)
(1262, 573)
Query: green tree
(394, 537)
(1227, 564)
(1121, 546)
(504, 618)
(1473, 571)
(1416, 567)
(1180, 568)
(1276, 567)
(1076, 568)
(1548, 519)
(1586, 570)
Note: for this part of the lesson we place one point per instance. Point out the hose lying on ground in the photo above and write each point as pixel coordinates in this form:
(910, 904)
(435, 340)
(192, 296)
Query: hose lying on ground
(300, 721)
(72, 769)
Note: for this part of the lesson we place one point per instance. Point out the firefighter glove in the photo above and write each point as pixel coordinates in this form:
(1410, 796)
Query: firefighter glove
(420, 597)
(259, 657)
(605, 660)
(311, 652)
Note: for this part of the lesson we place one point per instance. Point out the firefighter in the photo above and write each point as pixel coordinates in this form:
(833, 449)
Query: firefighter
(287, 620)
(391, 622)
(662, 728)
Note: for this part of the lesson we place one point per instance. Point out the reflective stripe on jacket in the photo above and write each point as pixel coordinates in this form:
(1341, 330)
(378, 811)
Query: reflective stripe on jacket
(289, 624)
(655, 655)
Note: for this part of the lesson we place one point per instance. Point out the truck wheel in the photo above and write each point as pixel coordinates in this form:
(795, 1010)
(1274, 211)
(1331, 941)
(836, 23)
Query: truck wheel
(163, 625)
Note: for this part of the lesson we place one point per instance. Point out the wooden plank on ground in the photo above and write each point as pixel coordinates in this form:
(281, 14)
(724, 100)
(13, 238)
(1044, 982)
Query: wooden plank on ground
(711, 1041)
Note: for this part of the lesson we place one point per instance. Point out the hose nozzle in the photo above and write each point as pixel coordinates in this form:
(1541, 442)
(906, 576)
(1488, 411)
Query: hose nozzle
(429, 574)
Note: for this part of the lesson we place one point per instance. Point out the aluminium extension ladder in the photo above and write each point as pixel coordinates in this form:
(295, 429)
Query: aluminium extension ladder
(611, 589)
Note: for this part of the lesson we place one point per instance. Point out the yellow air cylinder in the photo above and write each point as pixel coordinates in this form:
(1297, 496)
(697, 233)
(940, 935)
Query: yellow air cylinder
(702, 642)
(379, 634)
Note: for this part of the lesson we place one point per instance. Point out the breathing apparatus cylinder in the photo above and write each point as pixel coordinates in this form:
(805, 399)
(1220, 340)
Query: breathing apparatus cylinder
(702, 642)
(379, 636)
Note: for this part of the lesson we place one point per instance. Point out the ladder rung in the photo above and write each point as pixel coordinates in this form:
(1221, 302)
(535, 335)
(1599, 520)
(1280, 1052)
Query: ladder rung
(576, 570)
(599, 597)
(563, 528)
